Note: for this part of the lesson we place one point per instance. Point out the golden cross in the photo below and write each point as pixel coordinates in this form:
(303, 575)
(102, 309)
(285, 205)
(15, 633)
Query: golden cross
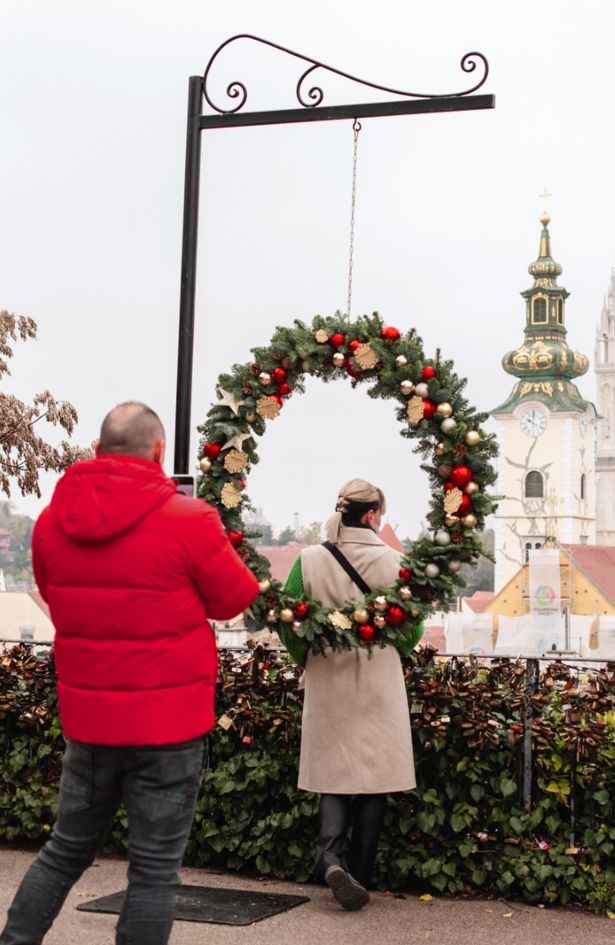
(546, 195)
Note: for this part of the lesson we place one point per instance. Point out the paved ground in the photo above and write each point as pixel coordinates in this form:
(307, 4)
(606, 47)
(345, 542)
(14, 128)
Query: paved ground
(387, 920)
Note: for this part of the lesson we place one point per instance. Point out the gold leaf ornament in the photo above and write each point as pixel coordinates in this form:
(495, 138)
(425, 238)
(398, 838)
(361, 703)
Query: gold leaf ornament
(452, 501)
(321, 336)
(340, 620)
(229, 496)
(414, 410)
(235, 461)
(267, 407)
(366, 357)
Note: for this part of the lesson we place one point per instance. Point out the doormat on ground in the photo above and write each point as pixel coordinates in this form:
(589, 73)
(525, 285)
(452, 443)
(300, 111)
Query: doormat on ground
(211, 904)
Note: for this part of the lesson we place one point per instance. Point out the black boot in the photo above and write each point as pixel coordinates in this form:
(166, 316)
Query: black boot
(365, 835)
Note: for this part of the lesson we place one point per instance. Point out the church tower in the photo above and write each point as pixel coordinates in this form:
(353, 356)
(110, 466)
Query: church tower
(545, 431)
(605, 439)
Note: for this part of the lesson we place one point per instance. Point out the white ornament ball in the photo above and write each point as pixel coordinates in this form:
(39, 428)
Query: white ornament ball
(264, 586)
(296, 624)
(379, 621)
(286, 615)
(432, 570)
(271, 616)
(472, 438)
(454, 566)
(407, 388)
(452, 520)
(447, 425)
(380, 603)
(421, 390)
(338, 359)
(442, 537)
(264, 378)
(405, 593)
(444, 410)
(205, 464)
(401, 360)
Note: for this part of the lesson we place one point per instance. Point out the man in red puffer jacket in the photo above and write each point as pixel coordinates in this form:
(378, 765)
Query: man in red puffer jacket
(131, 570)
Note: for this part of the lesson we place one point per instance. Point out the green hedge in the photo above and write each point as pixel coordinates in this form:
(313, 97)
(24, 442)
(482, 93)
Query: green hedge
(464, 830)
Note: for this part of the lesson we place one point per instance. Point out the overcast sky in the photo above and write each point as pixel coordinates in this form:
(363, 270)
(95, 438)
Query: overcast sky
(92, 118)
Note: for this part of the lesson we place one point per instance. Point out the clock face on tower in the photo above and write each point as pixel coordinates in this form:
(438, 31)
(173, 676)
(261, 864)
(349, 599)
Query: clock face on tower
(533, 422)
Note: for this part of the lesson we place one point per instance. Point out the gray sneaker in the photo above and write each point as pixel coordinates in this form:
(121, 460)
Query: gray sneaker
(348, 892)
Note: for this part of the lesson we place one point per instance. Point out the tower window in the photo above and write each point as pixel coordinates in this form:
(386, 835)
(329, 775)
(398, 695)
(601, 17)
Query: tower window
(539, 311)
(560, 311)
(582, 485)
(534, 485)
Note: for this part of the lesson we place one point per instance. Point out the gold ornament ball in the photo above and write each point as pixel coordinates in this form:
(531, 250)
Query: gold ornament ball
(361, 615)
(379, 622)
(264, 378)
(439, 449)
(272, 617)
(472, 438)
(264, 586)
(380, 603)
(415, 613)
(407, 388)
(205, 464)
(445, 469)
(306, 367)
(250, 417)
(444, 410)
(303, 353)
(401, 360)
(405, 593)
(469, 521)
(472, 488)
(286, 615)
(447, 425)
(338, 359)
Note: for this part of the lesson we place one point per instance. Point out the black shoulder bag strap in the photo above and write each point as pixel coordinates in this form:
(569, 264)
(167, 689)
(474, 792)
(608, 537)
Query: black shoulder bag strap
(348, 568)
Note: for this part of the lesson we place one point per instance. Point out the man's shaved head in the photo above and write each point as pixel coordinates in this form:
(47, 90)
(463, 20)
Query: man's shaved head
(131, 429)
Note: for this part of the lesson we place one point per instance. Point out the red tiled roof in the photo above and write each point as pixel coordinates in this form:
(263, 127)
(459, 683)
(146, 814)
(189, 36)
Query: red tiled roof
(281, 558)
(598, 563)
(389, 537)
(479, 600)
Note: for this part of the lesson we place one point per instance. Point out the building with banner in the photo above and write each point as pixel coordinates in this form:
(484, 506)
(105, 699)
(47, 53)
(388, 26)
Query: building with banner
(546, 467)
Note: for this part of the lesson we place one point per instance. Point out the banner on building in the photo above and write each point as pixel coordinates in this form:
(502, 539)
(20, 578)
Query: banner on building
(546, 623)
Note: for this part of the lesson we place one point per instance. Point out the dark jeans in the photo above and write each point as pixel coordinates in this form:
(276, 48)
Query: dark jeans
(333, 849)
(159, 786)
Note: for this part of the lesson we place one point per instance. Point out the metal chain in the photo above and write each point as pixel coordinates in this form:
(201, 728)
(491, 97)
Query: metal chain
(356, 127)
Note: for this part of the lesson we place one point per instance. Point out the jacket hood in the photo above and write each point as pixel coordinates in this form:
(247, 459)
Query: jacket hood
(98, 499)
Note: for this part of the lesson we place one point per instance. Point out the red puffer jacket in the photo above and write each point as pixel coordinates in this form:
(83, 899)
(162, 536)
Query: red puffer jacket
(131, 570)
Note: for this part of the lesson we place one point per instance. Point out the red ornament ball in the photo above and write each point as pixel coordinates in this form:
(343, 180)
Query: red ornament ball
(284, 389)
(448, 486)
(405, 574)
(211, 450)
(428, 372)
(235, 538)
(354, 344)
(301, 610)
(461, 476)
(337, 339)
(395, 615)
(367, 633)
(390, 334)
(465, 507)
(279, 375)
(350, 368)
(429, 408)
(278, 399)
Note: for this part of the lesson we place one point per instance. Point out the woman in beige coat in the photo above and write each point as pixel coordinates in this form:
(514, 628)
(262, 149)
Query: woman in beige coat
(355, 738)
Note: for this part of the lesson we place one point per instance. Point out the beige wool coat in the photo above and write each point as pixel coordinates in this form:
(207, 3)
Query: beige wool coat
(355, 736)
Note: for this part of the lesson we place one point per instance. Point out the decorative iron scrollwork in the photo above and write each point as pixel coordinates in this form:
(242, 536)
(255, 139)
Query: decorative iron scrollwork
(313, 96)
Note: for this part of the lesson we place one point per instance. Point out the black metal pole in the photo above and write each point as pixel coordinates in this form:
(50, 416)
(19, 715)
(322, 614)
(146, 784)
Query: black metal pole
(188, 284)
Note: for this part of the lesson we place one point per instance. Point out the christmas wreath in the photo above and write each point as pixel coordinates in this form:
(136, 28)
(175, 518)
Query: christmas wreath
(432, 411)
